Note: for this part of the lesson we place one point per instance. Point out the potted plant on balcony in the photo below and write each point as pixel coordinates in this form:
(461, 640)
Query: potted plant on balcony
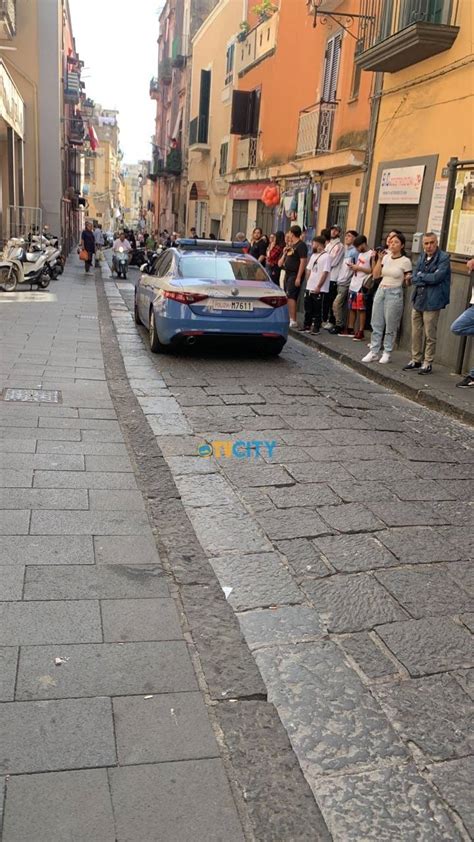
(244, 30)
(264, 10)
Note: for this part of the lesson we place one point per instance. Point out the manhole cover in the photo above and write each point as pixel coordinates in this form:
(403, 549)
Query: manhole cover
(32, 395)
(88, 317)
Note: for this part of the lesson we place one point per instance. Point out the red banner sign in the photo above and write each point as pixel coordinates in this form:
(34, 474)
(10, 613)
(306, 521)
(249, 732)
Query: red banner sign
(250, 190)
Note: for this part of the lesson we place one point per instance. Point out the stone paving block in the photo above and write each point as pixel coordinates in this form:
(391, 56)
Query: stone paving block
(101, 435)
(306, 494)
(59, 805)
(17, 445)
(442, 470)
(169, 423)
(181, 465)
(368, 491)
(285, 624)
(8, 664)
(418, 544)
(384, 804)
(117, 464)
(84, 447)
(11, 582)
(226, 527)
(355, 553)
(188, 801)
(284, 454)
(89, 523)
(436, 644)
(368, 656)
(410, 514)
(453, 780)
(42, 462)
(17, 423)
(15, 478)
(107, 669)
(332, 720)
(127, 551)
(131, 501)
(49, 622)
(80, 424)
(39, 498)
(434, 713)
(257, 580)
(421, 489)
(147, 619)
(255, 475)
(59, 734)
(15, 522)
(42, 434)
(105, 414)
(462, 538)
(303, 558)
(293, 523)
(173, 726)
(454, 512)
(84, 479)
(352, 602)
(468, 620)
(209, 490)
(426, 591)
(392, 469)
(344, 453)
(101, 581)
(350, 517)
(33, 549)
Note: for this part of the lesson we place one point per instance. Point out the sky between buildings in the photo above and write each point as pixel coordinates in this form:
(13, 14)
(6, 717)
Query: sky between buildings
(116, 40)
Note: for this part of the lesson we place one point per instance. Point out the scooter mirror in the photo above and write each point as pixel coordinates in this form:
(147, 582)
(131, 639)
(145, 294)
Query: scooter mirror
(144, 268)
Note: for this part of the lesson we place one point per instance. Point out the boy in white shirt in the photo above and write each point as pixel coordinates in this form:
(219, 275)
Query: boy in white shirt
(360, 272)
(318, 272)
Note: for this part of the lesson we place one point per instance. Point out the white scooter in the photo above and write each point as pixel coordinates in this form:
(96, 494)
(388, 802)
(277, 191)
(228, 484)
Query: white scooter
(20, 266)
(120, 263)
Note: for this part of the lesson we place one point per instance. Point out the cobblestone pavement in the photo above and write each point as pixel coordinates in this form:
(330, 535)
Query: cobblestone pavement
(345, 556)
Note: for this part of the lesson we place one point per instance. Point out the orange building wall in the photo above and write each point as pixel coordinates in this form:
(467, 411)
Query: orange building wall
(291, 80)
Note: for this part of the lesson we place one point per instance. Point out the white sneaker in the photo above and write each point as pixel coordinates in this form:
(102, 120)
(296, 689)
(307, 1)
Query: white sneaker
(370, 357)
(293, 324)
(385, 358)
(326, 325)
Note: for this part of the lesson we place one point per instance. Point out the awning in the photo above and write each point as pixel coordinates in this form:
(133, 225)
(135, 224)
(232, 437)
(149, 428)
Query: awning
(198, 192)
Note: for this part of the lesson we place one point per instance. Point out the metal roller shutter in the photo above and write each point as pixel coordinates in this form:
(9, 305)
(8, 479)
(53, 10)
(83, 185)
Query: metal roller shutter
(402, 218)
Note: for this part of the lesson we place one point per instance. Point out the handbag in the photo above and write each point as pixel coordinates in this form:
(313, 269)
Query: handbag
(369, 282)
(83, 255)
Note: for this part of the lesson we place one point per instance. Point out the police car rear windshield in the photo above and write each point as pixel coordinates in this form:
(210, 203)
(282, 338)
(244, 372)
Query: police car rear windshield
(221, 268)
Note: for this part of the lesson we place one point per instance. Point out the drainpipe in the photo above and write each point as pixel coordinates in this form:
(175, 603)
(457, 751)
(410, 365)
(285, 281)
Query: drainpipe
(369, 158)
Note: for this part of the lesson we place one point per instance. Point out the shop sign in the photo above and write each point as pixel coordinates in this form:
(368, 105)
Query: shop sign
(252, 190)
(461, 229)
(438, 201)
(12, 108)
(401, 185)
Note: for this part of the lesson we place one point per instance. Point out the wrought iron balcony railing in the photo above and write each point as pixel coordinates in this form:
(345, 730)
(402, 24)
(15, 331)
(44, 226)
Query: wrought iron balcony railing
(7, 19)
(199, 131)
(154, 87)
(315, 129)
(397, 33)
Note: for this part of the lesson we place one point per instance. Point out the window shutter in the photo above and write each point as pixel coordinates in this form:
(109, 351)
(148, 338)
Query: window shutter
(331, 68)
(255, 97)
(240, 115)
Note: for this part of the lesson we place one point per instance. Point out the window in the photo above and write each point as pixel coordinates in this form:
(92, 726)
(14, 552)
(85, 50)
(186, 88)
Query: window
(223, 158)
(355, 86)
(337, 210)
(245, 116)
(162, 267)
(331, 68)
(229, 64)
(199, 126)
(222, 268)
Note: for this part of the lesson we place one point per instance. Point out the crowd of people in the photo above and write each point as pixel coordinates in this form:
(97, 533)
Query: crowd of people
(349, 287)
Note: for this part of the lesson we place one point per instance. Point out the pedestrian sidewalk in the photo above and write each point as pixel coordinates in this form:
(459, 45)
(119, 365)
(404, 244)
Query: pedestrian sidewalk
(104, 729)
(437, 390)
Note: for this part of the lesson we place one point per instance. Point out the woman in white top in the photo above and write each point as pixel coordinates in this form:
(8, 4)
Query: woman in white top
(395, 270)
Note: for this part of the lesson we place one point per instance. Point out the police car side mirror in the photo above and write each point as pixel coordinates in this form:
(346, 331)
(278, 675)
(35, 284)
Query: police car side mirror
(144, 269)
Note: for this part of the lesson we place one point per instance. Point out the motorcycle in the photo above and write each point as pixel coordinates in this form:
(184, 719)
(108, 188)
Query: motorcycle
(137, 257)
(120, 263)
(20, 266)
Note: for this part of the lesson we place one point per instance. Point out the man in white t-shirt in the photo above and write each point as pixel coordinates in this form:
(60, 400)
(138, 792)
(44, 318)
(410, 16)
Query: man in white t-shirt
(318, 272)
(335, 249)
(360, 272)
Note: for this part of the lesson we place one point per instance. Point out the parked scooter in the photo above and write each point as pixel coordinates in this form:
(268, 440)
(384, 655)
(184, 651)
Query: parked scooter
(20, 266)
(120, 263)
(137, 257)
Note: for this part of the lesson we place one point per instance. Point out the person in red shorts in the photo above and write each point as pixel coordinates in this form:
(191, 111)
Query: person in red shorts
(360, 271)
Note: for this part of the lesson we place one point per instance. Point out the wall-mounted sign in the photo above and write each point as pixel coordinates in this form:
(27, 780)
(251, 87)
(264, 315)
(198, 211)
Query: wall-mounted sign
(461, 229)
(251, 190)
(438, 201)
(401, 185)
(12, 108)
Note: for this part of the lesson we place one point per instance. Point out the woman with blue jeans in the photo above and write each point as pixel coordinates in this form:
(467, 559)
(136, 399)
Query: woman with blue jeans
(395, 270)
(464, 326)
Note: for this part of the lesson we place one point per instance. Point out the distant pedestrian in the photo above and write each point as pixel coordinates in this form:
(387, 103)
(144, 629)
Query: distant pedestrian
(99, 244)
(335, 249)
(88, 244)
(293, 260)
(258, 245)
(318, 272)
(273, 254)
(432, 281)
(464, 326)
(339, 307)
(192, 232)
(395, 271)
(361, 271)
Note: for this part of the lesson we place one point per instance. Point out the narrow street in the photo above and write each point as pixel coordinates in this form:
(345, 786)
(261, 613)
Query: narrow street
(169, 620)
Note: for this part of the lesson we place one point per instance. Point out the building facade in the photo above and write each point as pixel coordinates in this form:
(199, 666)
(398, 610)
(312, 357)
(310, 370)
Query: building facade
(103, 184)
(421, 173)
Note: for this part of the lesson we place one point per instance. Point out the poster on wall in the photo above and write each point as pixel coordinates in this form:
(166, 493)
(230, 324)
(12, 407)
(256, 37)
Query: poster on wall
(461, 228)
(401, 185)
(438, 202)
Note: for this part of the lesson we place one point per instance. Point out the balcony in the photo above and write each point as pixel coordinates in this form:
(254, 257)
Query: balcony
(154, 88)
(178, 59)
(246, 153)
(76, 131)
(404, 32)
(172, 165)
(165, 71)
(259, 43)
(7, 19)
(72, 87)
(199, 133)
(315, 129)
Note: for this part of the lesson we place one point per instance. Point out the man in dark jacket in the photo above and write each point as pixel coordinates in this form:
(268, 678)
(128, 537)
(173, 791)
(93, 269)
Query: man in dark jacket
(431, 280)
